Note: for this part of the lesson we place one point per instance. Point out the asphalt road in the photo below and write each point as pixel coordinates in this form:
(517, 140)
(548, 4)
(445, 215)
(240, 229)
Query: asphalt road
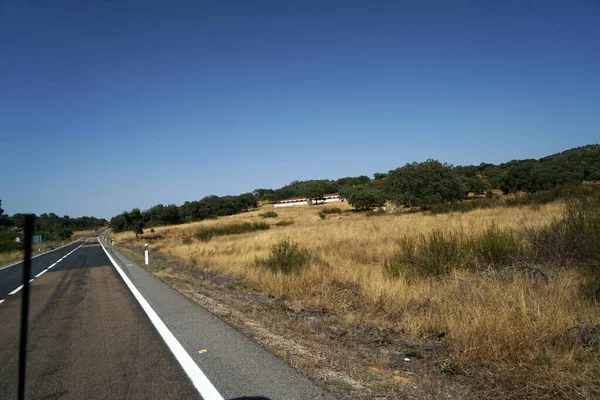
(11, 278)
(97, 331)
(88, 337)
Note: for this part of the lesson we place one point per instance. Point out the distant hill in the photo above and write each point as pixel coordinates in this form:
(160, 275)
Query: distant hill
(416, 184)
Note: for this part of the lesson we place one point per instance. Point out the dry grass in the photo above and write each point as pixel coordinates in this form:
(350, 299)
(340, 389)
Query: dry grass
(490, 320)
(10, 256)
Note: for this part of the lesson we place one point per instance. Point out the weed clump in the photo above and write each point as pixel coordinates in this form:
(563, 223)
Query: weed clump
(332, 210)
(269, 214)
(206, 234)
(286, 257)
(448, 366)
(414, 352)
(322, 215)
(285, 222)
(432, 255)
(495, 247)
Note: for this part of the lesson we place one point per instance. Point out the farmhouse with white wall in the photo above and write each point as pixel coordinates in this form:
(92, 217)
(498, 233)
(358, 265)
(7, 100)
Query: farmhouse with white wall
(302, 201)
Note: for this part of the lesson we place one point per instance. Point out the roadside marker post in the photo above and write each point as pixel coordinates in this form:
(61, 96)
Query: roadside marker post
(146, 253)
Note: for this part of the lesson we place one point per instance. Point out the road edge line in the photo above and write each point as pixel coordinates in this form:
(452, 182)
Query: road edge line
(193, 371)
(41, 254)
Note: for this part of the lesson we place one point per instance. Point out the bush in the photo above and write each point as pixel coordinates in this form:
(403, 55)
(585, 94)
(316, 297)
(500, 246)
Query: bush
(285, 223)
(286, 257)
(205, 234)
(438, 253)
(332, 210)
(10, 246)
(322, 215)
(269, 214)
(400, 263)
(432, 255)
(495, 247)
(575, 238)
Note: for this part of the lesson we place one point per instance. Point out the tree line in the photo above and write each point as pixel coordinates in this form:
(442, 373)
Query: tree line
(413, 185)
(49, 226)
(208, 207)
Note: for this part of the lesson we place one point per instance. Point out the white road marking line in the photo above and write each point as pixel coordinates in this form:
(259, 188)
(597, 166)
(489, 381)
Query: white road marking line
(1, 301)
(193, 371)
(39, 255)
(16, 290)
(41, 273)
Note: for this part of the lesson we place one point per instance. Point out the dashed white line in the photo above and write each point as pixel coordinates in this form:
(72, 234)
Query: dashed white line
(1, 301)
(16, 290)
(41, 273)
(41, 254)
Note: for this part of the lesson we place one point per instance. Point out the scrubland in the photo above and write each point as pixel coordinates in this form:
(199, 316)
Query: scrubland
(506, 297)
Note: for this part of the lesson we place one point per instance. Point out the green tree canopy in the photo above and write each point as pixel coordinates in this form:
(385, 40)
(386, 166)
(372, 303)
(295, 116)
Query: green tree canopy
(424, 184)
(365, 197)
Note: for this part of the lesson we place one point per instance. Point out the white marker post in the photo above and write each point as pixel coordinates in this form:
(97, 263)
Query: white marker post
(146, 253)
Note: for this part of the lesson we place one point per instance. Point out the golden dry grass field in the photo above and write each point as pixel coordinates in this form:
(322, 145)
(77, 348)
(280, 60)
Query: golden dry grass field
(489, 321)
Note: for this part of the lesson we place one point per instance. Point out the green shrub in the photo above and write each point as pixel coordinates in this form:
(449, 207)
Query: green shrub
(322, 215)
(269, 214)
(414, 352)
(205, 234)
(449, 366)
(575, 238)
(495, 247)
(285, 222)
(187, 240)
(332, 210)
(400, 263)
(438, 253)
(10, 246)
(287, 257)
(432, 255)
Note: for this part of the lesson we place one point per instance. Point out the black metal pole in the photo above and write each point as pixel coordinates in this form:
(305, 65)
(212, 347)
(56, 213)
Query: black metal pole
(29, 219)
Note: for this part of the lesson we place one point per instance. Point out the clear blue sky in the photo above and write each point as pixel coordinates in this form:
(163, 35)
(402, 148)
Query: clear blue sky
(125, 104)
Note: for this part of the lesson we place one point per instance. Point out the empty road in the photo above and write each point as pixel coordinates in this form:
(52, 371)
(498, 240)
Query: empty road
(101, 327)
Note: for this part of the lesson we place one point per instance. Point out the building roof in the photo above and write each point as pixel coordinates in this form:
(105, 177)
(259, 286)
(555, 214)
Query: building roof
(331, 194)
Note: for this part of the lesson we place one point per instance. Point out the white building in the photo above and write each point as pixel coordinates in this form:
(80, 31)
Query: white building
(296, 201)
(301, 201)
(331, 197)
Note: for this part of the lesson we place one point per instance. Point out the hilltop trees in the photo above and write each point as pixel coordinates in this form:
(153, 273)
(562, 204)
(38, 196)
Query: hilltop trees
(49, 226)
(158, 215)
(364, 197)
(424, 184)
(413, 185)
(4, 222)
(316, 191)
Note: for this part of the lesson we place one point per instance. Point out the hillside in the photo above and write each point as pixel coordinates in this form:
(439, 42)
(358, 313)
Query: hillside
(423, 184)
(494, 303)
